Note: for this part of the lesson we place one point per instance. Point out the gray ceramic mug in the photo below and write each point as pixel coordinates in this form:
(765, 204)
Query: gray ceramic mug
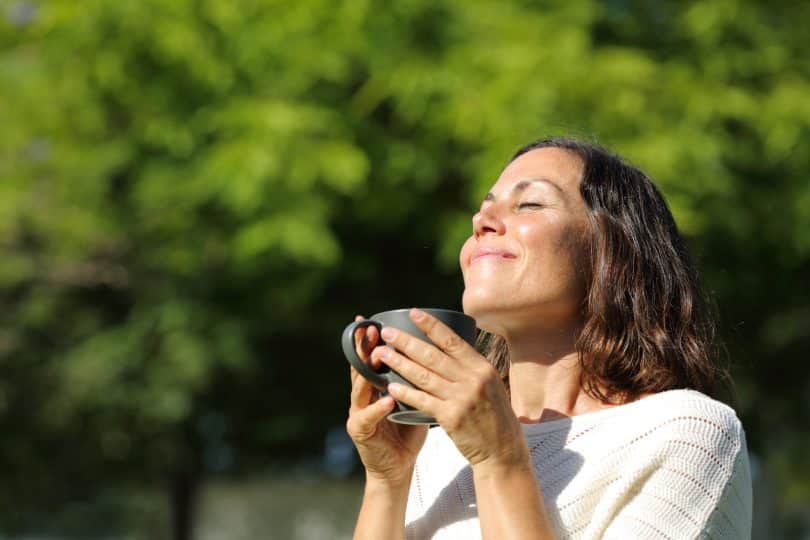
(461, 324)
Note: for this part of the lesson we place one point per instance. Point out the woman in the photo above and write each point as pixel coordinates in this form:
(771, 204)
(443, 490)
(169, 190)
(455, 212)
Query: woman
(589, 415)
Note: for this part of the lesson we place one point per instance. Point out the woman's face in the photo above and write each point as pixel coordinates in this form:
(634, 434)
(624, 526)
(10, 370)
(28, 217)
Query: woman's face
(525, 263)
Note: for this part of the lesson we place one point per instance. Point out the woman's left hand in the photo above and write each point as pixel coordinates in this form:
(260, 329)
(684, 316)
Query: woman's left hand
(458, 387)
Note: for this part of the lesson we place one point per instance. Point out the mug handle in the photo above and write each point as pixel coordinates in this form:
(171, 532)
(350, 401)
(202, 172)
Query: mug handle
(379, 381)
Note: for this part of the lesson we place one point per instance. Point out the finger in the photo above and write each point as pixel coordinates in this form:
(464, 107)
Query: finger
(423, 353)
(416, 398)
(353, 374)
(420, 376)
(365, 339)
(362, 393)
(359, 337)
(363, 422)
(375, 363)
(442, 336)
(372, 337)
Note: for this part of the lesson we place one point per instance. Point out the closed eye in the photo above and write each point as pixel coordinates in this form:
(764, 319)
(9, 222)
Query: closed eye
(529, 205)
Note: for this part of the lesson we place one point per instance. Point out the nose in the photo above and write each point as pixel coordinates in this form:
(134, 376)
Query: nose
(488, 221)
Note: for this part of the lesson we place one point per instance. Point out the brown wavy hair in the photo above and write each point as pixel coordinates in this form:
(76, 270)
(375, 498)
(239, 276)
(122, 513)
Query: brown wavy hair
(647, 324)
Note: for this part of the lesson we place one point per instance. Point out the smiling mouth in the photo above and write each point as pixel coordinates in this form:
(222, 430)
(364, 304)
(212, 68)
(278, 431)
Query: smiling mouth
(491, 255)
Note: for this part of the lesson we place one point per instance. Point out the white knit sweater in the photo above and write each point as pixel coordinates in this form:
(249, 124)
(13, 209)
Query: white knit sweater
(672, 465)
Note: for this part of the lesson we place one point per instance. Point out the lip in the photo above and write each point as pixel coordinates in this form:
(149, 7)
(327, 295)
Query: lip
(490, 253)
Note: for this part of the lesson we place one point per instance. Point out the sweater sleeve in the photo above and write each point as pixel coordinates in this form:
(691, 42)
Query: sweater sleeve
(691, 481)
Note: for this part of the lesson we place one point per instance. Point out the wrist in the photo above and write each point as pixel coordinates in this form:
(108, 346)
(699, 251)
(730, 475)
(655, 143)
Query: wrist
(510, 503)
(382, 513)
(382, 485)
(499, 473)
(517, 459)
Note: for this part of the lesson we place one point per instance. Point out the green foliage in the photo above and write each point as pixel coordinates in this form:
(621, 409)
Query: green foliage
(195, 196)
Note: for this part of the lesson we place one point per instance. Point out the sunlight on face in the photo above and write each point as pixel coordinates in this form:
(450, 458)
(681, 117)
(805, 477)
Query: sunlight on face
(523, 264)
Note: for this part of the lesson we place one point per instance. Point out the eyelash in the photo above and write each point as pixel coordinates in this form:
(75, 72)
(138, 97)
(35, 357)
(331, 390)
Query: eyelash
(529, 205)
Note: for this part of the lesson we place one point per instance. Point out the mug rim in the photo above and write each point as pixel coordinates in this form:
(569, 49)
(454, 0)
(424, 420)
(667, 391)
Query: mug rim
(406, 310)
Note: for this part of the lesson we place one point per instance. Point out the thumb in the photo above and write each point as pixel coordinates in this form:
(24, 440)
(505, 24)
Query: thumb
(363, 423)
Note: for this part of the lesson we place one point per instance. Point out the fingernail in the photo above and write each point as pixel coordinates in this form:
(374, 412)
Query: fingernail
(388, 333)
(394, 388)
(417, 314)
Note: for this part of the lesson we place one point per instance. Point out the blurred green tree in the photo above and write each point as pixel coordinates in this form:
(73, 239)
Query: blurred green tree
(196, 196)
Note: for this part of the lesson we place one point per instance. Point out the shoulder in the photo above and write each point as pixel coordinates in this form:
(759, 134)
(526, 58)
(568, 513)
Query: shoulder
(691, 409)
(690, 425)
(682, 465)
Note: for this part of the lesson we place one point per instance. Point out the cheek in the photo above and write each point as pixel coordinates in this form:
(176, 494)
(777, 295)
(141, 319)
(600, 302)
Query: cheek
(539, 242)
(555, 250)
(574, 241)
(568, 253)
(464, 254)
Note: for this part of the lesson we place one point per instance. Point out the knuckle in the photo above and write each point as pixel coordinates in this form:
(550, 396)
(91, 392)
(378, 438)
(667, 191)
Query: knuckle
(423, 379)
(451, 342)
(432, 356)
(495, 378)
(479, 386)
(484, 369)
(467, 404)
(357, 429)
(487, 373)
(431, 324)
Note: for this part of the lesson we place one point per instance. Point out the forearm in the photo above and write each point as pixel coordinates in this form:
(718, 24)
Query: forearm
(510, 506)
(382, 512)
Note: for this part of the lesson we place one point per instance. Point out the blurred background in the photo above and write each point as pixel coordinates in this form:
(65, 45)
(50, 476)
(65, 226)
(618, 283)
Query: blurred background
(196, 196)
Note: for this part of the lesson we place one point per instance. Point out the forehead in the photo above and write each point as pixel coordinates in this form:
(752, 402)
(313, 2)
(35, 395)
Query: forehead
(562, 167)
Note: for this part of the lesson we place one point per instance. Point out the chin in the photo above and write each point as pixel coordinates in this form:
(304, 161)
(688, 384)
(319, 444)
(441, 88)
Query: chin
(503, 314)
(487, 310)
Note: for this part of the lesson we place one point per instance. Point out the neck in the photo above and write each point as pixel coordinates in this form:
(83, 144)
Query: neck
(544, 376)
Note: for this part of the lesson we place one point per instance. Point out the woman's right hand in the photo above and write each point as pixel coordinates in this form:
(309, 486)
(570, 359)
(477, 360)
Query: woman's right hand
(388, 450)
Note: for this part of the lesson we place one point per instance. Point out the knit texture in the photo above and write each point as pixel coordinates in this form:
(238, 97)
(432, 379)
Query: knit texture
(672, 465)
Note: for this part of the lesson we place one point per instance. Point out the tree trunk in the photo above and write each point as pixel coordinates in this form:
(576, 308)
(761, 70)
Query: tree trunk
(183, 496)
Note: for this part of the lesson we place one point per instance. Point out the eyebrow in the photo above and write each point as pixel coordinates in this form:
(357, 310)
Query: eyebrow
(523, 184)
